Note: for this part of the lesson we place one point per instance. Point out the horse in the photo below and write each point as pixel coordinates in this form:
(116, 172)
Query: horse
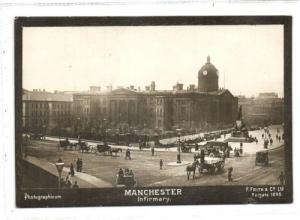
(64, 144)
(115, 150)
(191, 168)
(93, 148)
(83, 147)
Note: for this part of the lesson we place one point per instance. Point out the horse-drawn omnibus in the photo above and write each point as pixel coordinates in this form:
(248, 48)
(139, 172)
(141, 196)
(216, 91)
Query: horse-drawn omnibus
(262, 158)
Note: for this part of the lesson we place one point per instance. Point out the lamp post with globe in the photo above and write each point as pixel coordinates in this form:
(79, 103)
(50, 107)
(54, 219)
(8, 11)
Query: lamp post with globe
(178, 148)
(59, 166)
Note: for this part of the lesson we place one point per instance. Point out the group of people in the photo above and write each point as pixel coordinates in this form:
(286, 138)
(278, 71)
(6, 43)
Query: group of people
(125, 174)
(267, 137)
(69, 182)
(238, 152)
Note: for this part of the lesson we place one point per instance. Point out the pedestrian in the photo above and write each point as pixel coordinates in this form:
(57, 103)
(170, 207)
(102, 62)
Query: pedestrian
(69, 184)
(72, 169)
(130, 173)
(68, 177)
(81, 165)
(262, 136)
(120, 176)
(75, 186)
(282, 178)
(152, 151)
(241, 148)
(127, 156)
(202, 156)
(230, 169)
(266, 142)
(77, 165)
(161, 164)
(256, 141)
(271, 141)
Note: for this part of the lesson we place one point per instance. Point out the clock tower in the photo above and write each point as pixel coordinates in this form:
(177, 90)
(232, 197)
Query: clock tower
(208, 78)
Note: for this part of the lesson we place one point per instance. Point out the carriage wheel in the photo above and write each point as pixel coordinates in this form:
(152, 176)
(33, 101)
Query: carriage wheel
(222, 165)
(212, 170)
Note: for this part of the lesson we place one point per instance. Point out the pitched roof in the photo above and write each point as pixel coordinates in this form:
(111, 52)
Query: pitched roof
(46, 96)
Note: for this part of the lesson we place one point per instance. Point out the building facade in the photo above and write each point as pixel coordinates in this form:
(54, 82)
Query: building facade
(266, 108)
(160, 109)
(44, 110)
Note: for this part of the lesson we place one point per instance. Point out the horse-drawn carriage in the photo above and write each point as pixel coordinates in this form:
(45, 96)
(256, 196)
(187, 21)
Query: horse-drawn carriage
(217, 148)
(211, 165)
(37, 136)
(106, 149)
(67, 145)
(186, 148)
(262, 158)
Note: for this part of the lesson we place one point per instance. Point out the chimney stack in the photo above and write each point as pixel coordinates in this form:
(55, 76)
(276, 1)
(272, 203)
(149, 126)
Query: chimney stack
(152, 86)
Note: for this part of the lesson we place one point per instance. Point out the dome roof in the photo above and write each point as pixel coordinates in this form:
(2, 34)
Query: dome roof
(208, 69)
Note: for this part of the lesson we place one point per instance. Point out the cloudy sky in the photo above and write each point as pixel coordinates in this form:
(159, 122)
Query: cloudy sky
(73, 58)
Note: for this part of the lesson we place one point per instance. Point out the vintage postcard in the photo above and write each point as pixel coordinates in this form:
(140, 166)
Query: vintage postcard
(129, 111)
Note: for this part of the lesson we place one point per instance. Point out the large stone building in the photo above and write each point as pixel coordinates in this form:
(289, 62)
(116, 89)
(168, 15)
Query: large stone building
(45, 111)
(266, 108)
(189, 109)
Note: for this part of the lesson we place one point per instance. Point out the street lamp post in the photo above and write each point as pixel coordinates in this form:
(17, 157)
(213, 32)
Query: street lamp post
(105, 130)
(178, 149)
(59, 166)
(78, 125)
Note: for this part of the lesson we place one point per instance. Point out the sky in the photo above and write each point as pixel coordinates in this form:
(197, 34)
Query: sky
(249, 57)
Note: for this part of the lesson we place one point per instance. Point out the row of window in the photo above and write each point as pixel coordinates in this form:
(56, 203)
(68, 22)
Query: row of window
(39, 105)
(46, 105)
(61, 106)
(46, 113)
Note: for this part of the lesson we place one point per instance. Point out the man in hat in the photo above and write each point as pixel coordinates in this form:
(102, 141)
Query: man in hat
(161, 164)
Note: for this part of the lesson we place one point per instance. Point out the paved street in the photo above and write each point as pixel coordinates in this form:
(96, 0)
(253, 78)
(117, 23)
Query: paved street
(97, 167)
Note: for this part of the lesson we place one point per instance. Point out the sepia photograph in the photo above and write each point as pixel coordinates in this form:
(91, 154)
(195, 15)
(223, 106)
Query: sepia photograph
(120, 111)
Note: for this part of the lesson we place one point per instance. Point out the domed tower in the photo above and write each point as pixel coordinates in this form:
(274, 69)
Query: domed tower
(208, 78)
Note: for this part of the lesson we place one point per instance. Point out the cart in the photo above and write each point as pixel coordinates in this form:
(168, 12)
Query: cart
(211, 165)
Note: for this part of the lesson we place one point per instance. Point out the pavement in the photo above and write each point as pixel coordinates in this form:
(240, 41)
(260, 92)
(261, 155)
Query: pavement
(84, 180)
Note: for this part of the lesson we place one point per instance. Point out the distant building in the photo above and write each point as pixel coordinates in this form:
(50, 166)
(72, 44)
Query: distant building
(44, 110)
(161, 109)
(266, 108)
